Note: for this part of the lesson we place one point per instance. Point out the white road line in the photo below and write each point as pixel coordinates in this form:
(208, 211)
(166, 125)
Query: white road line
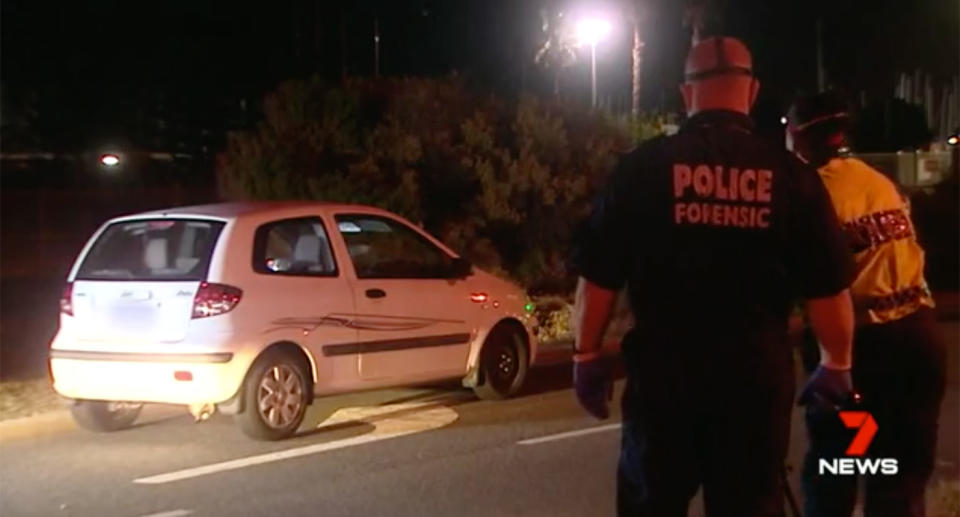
(171, 513)
(569, 434)
(389, 421)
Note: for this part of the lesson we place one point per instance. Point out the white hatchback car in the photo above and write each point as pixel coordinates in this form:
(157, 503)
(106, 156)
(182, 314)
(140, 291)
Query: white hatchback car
(255, 308)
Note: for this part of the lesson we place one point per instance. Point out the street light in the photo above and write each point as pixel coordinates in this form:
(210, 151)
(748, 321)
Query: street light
(110, 160)
(589, 32)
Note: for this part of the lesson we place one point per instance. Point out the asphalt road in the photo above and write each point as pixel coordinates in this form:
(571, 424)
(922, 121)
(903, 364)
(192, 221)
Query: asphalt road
(410, 452)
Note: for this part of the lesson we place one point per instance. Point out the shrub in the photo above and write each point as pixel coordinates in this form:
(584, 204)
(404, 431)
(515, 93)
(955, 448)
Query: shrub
(503, 182)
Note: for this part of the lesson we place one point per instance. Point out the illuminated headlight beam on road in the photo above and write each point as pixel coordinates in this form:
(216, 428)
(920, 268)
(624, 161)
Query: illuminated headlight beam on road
(388, 422)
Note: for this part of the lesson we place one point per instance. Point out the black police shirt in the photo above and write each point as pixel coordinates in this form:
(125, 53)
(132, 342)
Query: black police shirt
(714, 231)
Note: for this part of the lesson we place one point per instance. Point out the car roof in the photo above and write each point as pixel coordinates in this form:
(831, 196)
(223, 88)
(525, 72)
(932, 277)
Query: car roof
(237, 209)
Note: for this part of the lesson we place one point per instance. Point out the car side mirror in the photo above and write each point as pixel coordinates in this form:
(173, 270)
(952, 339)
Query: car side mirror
(460, 268)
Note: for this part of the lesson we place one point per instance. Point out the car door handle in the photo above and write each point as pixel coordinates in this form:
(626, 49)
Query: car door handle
(375, 293)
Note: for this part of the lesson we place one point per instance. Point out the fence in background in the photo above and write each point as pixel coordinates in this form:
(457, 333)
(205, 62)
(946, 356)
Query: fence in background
(912, 169)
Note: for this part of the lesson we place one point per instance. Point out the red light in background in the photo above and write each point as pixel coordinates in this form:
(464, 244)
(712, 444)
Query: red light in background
(478, 297)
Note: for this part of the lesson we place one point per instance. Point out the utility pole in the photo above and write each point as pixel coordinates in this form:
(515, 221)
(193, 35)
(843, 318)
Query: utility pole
(343, 46)
(317, 37)
(821, 73)
(376, 47)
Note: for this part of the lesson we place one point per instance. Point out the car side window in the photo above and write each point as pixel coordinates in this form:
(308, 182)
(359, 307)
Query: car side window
(293, 247)
(383, 248)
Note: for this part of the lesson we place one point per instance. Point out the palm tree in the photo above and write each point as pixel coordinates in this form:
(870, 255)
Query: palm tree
(695, 17)
(559, 49)
(704, 17)
(635, 15)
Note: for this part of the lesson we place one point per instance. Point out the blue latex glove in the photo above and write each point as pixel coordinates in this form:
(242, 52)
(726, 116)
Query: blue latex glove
(827, 388)
(593, 383)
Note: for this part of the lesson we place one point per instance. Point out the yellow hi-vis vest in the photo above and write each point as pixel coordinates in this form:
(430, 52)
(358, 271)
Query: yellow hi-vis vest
(889, 282)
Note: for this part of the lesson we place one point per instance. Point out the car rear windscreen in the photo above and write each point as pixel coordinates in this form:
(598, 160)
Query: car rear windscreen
(152, 249)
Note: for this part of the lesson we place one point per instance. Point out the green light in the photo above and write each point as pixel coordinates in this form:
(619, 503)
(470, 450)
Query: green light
(528, 307)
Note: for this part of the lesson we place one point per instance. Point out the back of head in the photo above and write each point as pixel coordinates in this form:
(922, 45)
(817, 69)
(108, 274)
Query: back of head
(718, 74)
(818, 127)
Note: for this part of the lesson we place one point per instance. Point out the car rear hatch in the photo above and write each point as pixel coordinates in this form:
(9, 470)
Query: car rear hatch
(138, 280)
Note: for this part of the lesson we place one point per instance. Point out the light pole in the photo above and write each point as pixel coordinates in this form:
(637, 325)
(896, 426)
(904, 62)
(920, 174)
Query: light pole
(589, 32)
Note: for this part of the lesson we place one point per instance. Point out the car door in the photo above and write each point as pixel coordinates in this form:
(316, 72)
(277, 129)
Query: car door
(414, 320)
(302, 290)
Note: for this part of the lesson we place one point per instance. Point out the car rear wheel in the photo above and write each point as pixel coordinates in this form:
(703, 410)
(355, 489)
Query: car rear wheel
(276, 394)
(503, 364)
(102, 416)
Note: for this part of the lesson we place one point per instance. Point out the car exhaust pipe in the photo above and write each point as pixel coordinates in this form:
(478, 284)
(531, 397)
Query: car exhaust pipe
(202, 412)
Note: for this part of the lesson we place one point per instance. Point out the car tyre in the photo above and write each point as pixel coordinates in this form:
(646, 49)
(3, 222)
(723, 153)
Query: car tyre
(103, 416)
(503, 364)
(276, 395)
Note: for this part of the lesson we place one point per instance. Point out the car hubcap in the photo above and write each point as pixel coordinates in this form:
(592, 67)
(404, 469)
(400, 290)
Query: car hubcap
(503, 365)
(280, 396)
(506, 363)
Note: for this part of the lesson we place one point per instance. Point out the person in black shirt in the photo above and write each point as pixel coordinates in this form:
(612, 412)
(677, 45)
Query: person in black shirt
(713, 231)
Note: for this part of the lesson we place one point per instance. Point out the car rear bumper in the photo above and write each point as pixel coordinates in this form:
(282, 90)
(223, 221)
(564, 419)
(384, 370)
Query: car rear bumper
(214, 377)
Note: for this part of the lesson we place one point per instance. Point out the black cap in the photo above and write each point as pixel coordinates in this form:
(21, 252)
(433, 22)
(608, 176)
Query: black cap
(815, 109)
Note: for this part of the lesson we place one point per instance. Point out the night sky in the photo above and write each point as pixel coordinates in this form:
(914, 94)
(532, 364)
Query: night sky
(99, 62)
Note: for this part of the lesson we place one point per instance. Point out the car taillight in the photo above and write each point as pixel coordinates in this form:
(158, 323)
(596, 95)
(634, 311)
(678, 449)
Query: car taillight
(66, 299)
(215, 299)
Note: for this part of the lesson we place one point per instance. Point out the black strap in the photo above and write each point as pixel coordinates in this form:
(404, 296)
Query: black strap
(723, 66)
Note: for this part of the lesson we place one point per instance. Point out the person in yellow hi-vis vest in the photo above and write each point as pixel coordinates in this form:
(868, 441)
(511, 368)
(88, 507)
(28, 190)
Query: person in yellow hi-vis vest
(899, 359)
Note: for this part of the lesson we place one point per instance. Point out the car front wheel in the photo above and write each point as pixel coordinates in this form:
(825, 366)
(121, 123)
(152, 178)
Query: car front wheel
(275, 398)
(102, 416)
(503, 364)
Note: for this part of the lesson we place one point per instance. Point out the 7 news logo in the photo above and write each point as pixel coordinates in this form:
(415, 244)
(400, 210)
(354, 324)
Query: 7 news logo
(855, 464)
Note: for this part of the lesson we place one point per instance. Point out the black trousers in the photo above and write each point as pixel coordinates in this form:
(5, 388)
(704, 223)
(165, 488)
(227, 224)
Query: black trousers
(704, 423)
(900, 369)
